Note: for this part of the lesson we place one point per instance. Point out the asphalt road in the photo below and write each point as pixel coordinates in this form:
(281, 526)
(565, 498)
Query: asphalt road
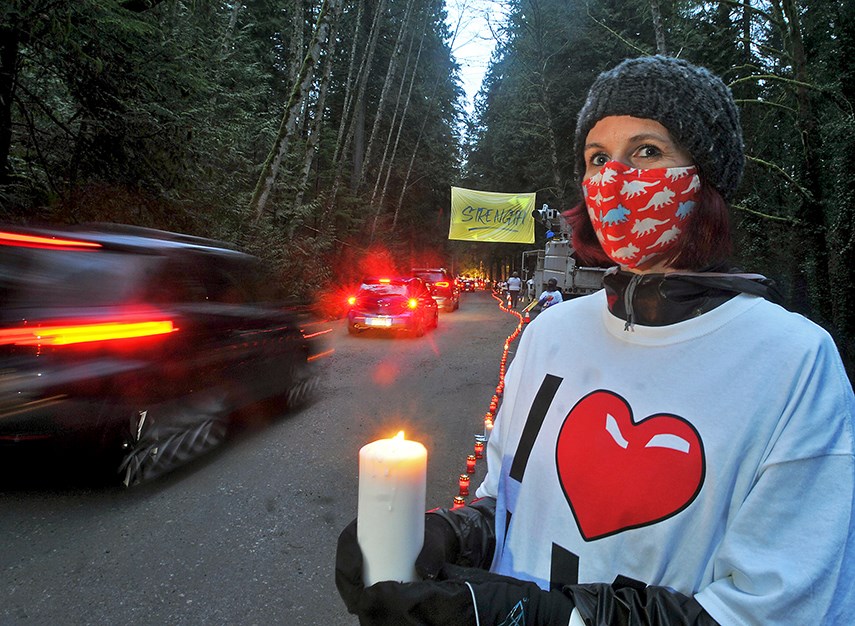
(247, 535)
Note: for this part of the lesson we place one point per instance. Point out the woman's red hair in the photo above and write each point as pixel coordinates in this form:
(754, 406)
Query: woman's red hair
(706, 239)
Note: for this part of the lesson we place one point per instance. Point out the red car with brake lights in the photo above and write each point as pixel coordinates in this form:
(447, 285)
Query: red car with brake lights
(442, 286)
(135, 347)
(392, 303)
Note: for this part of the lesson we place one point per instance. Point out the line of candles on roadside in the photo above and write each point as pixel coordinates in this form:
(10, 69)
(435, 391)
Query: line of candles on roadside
(481, 440)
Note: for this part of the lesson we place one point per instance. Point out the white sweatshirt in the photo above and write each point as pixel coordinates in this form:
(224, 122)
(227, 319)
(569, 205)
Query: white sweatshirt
(713, 456)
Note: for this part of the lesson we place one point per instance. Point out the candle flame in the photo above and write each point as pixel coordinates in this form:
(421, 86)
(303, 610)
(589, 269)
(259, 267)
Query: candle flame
(399, 436)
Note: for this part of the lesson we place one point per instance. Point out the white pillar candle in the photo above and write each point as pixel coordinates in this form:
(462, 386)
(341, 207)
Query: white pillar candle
(391, 508)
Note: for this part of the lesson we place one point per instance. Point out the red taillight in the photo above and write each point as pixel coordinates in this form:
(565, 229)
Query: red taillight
(351, 300)
(442, 283)
(82, 333)
(412, 303)
(34, 241)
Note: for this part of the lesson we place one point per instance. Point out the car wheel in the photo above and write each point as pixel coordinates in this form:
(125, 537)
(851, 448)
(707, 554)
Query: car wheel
(301, 390)
(352, 330)
(419, 329)
(163, 438)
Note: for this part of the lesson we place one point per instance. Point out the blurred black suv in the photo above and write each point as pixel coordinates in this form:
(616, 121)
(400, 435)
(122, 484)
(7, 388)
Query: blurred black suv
(442, 285)
(137, 345)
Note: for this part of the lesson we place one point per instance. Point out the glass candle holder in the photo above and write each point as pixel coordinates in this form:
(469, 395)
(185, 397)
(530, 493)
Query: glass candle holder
(463, 481)
(458, 502)
(470, 464)
(479, 446)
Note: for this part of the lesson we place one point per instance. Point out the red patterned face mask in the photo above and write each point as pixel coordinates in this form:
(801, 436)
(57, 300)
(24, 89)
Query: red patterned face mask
(640, 214)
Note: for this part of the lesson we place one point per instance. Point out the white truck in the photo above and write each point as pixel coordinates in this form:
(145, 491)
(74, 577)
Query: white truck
(556, 261)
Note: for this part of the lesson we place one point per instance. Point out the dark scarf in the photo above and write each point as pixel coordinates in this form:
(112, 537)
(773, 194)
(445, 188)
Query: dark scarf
(663, 299)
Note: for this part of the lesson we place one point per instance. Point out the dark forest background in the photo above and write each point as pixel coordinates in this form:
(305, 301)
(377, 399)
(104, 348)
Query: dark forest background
(324, 135)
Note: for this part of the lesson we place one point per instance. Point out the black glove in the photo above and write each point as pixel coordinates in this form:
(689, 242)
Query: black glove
(450, 599)
(467, 538)
(441, 546)
(503, 600)
(628, 602)
(394, 603)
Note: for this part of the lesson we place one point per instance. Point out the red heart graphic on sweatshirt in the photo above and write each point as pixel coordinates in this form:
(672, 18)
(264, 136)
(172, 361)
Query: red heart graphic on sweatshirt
(618, 474)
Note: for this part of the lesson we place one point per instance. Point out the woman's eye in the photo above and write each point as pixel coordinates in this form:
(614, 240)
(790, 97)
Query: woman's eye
(647, 152)
(599, 159)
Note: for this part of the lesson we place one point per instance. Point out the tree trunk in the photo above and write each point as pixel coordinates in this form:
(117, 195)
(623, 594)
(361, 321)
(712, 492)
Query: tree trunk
(384, 93)
(376, 205)
(541, 70)
(270, 169)
(811, 211)
(348, 88)
(358, 134)
(657, 27)
(314, 135)
(298, 13)
(557, 178)
(428, 12)
(746, 32)
(360, 102)
(302, 11)
(9, 38)
(392, 125)
(406, 183)
(230, 29)
(844, 277)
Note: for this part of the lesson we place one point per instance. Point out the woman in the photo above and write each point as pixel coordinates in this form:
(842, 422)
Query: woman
(551, 295)
(683, 454)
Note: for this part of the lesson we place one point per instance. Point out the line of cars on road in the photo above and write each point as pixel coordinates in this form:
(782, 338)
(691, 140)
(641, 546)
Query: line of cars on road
(468, 283)
(403, 303)
(137, 349)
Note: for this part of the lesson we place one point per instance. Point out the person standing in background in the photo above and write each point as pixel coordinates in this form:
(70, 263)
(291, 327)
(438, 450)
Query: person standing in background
(514, 287)
(551, 295)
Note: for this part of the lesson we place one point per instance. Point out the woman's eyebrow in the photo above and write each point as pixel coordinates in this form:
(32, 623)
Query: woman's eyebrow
(646, 136)
(634, 139)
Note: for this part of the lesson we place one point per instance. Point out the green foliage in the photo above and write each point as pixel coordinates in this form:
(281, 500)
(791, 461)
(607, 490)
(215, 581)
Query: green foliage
(161, 113)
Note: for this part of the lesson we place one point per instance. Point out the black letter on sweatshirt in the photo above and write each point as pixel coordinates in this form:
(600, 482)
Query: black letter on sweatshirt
(533, 423)
(565, 568)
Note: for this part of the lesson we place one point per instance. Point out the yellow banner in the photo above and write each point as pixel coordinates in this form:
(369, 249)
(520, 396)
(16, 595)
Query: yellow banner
(489, 216)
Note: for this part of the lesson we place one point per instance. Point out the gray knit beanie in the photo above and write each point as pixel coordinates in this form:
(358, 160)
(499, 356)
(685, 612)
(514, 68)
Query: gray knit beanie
(694, 105)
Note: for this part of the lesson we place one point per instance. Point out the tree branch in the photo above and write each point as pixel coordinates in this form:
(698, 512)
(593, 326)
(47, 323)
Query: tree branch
(765, 102)
(796, 83)
(754, 9)
(627, 43)
(776, 218)
(782, 79)
(777, 168)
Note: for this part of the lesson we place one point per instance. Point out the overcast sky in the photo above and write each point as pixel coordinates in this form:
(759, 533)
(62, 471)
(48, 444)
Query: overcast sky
(474, 42)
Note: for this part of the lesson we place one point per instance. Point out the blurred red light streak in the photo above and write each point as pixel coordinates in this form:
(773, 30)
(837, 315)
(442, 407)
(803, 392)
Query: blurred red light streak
(34, 241)
(321, 355)
(82, 333)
